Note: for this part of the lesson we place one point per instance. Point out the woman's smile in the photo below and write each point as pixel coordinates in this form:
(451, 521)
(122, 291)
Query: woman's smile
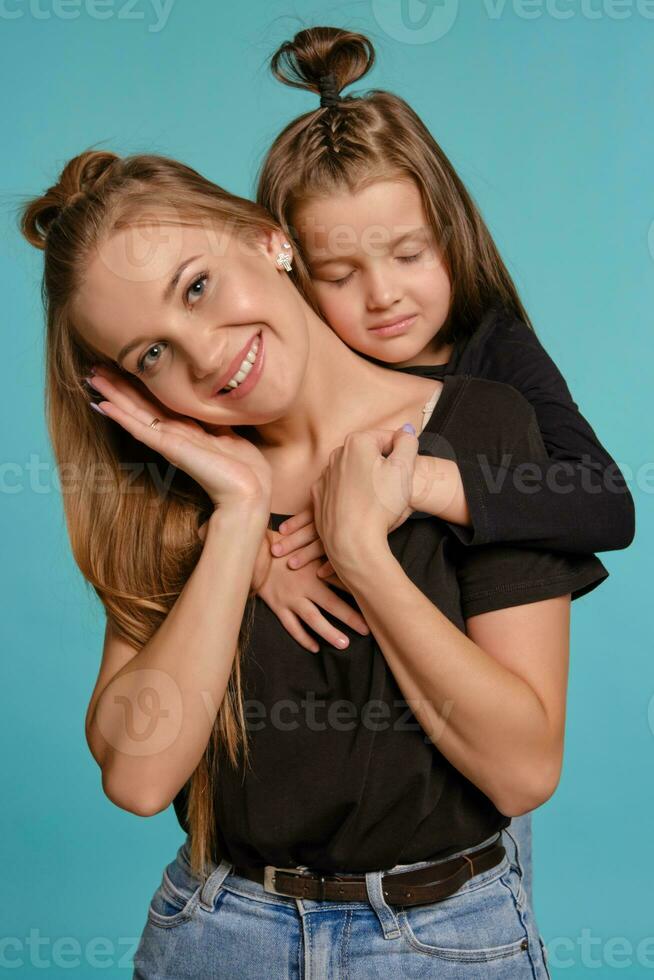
(246, 372)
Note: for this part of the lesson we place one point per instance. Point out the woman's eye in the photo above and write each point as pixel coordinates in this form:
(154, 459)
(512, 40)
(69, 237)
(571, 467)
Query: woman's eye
(144, 365)
(192, 293)
(410, 258)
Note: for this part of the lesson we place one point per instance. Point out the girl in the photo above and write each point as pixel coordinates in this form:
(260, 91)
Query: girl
(391, 251)
(353, 826)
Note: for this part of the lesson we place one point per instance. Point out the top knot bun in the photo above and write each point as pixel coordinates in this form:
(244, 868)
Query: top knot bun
(320, 51)
(81, 176)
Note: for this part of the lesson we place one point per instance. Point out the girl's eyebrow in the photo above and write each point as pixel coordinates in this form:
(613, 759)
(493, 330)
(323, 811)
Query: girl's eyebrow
(419, 231)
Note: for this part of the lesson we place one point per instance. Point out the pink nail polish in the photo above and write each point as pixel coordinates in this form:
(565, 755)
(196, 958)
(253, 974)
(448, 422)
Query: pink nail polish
(97, 408)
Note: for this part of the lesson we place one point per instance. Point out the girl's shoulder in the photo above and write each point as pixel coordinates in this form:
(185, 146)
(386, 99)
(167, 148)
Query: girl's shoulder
(506, 349)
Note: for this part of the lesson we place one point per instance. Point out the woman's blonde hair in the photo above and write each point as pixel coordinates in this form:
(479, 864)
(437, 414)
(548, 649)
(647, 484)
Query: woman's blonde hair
(136, 545)
(361, 140)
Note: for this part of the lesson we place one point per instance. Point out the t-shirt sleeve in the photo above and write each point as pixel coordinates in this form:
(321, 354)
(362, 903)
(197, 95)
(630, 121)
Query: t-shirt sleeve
(583, 503)
(498, 576)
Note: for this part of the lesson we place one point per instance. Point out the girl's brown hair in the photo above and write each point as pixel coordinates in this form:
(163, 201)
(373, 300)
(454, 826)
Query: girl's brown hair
(135, 545)
(377, 136)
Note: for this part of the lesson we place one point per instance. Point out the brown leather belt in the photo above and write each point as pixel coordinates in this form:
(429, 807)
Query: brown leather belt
(417, 887)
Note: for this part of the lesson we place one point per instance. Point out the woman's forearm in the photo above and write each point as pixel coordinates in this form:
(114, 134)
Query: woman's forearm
(438, 490)
(483, 718)
(157, 713)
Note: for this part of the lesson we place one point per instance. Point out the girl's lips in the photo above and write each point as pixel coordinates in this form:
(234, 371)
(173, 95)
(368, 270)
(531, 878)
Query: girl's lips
(393, 329)
(253, 375)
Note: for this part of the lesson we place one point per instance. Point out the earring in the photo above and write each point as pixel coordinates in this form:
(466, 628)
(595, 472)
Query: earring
(284, 260)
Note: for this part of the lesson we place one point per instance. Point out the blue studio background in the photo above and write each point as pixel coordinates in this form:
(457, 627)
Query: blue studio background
(540, 106)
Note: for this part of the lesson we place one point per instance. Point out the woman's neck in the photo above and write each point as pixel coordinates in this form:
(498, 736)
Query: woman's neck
(340, 393)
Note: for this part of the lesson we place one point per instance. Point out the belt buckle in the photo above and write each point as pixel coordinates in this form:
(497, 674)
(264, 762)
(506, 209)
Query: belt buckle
(269, 878)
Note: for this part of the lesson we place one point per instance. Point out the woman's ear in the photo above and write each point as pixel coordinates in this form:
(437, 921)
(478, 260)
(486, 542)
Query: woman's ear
(278, 249)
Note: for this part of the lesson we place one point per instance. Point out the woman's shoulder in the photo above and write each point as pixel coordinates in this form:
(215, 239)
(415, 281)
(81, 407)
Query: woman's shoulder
(483, 397)
(481, 416)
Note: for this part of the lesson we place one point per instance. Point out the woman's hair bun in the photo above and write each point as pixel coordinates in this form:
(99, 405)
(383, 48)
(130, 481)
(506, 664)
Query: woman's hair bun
(81, 176)
(319, 51)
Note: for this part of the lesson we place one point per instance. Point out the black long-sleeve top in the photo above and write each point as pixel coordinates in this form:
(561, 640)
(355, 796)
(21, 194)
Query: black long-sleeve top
(578, 502)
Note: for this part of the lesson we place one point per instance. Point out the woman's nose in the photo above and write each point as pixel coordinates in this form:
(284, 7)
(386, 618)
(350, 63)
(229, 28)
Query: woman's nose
(206, 354)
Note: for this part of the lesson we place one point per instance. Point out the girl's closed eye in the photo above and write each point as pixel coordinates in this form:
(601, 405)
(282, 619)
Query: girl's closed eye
(344, 279)
(143, 366)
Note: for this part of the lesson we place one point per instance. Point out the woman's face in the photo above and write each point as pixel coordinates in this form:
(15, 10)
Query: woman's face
(373, 261)
(179, 307)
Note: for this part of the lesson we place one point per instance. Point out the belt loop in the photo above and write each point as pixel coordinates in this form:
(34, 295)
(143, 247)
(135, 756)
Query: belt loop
(472, 867)
(385, 914)
(213, 884)
(516, 860)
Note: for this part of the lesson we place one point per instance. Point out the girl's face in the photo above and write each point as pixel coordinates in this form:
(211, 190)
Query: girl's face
(374, 261)
(180, 307)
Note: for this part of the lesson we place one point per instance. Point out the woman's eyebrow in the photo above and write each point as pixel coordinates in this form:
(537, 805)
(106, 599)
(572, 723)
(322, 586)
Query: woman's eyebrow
(419, 231)
(170, 288)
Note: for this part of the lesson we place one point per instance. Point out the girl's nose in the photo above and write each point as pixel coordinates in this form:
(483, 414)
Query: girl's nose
(383, 290)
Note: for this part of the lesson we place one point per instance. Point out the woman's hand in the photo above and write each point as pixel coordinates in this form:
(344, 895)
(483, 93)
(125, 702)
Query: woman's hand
(362, 495)
(297, 595)
(302, 542)
(231, 470)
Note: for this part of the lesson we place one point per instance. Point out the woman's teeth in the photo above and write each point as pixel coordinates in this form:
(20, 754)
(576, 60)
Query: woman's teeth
(245, 368)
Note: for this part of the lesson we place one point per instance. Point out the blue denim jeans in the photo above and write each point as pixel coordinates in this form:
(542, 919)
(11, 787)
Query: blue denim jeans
(230, 927)
(520, 830)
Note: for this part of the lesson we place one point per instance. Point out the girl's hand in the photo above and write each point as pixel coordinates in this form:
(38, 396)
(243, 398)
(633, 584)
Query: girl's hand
(228, 467)
(301, 538)
(362, 494)
(297, 595)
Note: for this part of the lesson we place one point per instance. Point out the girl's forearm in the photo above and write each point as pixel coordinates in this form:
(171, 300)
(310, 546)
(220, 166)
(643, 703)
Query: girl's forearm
(483, 718)
(156, 715)
(438, 490)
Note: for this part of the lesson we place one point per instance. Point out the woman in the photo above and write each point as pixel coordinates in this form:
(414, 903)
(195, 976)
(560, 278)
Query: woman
(318, 844)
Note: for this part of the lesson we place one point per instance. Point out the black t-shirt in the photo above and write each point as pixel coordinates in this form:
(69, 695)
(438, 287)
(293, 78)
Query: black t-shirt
(342, 776)
(581, 503)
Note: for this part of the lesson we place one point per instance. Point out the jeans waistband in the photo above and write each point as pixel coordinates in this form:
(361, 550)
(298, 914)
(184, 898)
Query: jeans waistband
(449, 857)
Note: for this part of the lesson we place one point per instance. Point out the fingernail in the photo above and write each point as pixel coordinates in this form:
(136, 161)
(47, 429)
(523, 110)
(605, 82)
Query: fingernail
(407, 427)
(342, 641)
(97, 408)
(292, 562)
(282, 526)
(91, 381)
(276, 549)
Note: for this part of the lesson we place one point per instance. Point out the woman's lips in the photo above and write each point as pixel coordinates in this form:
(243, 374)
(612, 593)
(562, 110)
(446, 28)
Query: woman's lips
(253, 375)
(236, 363)
(393, 329)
